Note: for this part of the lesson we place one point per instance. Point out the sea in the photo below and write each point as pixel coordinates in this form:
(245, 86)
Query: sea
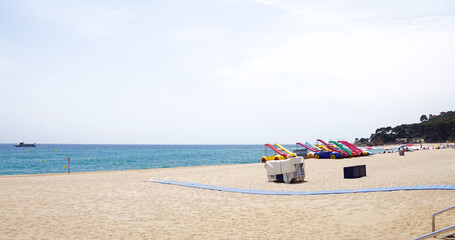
(61, 158)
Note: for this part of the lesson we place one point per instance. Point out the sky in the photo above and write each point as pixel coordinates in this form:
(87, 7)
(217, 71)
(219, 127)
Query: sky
(221, 71)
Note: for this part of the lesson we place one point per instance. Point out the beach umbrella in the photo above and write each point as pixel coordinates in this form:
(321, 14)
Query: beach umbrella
(409, 144)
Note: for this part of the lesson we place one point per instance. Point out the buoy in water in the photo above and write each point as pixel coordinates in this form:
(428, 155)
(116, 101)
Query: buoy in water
(117, 164)
(64, 166)
(112, 162)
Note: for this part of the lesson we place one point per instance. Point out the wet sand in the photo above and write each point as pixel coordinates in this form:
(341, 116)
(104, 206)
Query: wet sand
(120, 205)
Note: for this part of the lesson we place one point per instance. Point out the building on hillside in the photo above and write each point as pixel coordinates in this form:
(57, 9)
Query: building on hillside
(431, 116)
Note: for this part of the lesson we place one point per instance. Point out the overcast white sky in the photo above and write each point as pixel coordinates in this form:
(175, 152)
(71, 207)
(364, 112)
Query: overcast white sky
(221, 71)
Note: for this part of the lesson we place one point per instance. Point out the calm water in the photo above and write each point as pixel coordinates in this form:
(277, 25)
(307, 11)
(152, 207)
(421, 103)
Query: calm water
(49, 158)
(53, 158)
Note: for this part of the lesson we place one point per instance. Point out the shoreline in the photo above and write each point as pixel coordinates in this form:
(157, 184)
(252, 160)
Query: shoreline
(113, 171)
(147, 169)
(54, 167)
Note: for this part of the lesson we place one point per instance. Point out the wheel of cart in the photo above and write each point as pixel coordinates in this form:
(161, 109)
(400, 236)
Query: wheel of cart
(287, 177)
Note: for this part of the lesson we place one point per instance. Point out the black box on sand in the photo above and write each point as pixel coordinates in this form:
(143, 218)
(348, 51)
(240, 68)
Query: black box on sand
(355, 171)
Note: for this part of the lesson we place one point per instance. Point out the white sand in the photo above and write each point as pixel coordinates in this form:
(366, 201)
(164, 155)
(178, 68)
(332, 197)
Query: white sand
(120, 205)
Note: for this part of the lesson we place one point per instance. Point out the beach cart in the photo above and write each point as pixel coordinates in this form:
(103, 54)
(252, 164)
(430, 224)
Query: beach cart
(286, 170)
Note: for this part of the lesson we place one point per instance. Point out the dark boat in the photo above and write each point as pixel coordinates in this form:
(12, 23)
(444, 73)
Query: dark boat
(22, 144)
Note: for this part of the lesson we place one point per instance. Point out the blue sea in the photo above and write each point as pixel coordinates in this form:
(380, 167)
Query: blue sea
(53, 158)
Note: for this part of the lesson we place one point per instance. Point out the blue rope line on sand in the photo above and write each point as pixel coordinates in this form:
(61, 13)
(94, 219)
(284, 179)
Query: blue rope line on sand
(323, 192)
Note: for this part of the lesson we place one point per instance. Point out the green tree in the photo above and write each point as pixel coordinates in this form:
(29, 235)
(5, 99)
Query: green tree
(437, 129)
(423, 118)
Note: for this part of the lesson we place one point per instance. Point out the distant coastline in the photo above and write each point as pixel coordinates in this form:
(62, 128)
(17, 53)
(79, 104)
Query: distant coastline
(435, 129)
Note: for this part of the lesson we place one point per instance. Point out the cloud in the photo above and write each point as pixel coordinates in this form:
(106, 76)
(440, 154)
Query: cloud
(355, 55)
(82, 19)
(291, 9)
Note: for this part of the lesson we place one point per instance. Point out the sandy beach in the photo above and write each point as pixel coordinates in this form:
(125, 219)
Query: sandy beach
(120, 205)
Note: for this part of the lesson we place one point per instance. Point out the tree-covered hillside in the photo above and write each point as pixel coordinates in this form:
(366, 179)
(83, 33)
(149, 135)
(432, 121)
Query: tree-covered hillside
(435, 128)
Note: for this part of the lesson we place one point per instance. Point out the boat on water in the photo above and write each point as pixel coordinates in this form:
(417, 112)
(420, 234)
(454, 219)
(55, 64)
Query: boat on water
(22, 144)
